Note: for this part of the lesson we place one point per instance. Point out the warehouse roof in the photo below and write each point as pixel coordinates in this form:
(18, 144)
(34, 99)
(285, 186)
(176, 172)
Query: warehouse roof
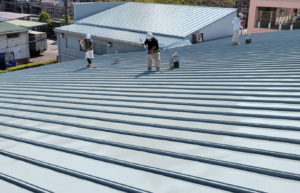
(6, 27)
(170, 20)
(11, 15)
(112, 34)
(27, 24)
(226, 121)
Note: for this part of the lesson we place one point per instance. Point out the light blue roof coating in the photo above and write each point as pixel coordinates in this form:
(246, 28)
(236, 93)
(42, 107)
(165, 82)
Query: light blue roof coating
(227, 120)
(112, 34)
(172, 20)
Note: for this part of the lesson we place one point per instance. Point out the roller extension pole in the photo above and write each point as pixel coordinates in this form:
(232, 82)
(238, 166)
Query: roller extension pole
(150, 56)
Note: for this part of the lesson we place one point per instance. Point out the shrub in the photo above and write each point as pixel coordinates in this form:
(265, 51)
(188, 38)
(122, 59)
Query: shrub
(24, 66)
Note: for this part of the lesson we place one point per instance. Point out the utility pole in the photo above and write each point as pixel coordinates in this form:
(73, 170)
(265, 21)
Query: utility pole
(30, 6)
(66, 12)
(22, 6)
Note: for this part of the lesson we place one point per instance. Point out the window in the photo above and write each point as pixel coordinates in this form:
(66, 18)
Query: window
(60, 11)
(277, 18)
(50, 10)
(100, 49)
(72, 43)
(15, 35)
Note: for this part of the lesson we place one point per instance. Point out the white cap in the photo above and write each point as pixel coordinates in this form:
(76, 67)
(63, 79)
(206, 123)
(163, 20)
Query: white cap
(241, 15)
(88, 36)
(149, 35)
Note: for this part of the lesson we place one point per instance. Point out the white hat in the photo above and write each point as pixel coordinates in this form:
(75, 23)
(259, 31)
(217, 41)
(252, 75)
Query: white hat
(241, 15)
(88, 36)
(149, 35)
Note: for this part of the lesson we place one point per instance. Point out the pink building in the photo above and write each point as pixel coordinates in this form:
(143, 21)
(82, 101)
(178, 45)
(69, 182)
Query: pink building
(273, 15)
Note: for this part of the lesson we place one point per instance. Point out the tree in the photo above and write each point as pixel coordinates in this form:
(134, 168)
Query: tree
(62, 21)
(45, 18)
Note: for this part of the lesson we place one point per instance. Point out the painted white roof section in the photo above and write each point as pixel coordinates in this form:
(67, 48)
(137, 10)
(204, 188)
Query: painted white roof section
(116, 35)
(170, 20)
(223, 122)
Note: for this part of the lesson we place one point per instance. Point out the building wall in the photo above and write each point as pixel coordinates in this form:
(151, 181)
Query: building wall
(219, 29)
(46, 5)
(70, 54)
(20, 46)
(267, 3)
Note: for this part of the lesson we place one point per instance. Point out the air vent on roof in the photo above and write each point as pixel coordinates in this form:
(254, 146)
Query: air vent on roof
(197, 38)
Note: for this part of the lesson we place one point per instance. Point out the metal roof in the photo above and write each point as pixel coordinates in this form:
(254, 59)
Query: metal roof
(11, 15)
(27, 24)
(226, 121)
(171, 20)
(6, 27)
(112, 34)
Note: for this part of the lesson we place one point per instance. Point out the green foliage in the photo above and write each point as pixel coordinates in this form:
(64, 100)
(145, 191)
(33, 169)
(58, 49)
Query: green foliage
(24, 66)
(62, 21)
(45, 18)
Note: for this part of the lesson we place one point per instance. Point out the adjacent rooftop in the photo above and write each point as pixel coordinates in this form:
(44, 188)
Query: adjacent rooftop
(10, 15)
(6, 27)
(27, 24)
(161, 19)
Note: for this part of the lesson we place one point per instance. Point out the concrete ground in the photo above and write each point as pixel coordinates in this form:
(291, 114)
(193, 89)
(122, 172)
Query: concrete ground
(49, 54)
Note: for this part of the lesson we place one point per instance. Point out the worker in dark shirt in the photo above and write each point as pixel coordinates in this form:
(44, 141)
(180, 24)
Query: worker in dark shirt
(88, 46)
(153, 50)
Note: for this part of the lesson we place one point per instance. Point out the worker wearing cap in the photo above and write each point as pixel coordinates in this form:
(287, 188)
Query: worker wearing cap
(236, 28)
(153, 50)
(88, 46)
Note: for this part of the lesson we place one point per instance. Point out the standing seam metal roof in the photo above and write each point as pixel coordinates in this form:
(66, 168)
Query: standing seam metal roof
(27, 24)
(226, 121)
(6, 27)
(11, 15)
(171, 20)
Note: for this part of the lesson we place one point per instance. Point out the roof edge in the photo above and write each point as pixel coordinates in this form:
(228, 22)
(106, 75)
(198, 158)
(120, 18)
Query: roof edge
(128, 30)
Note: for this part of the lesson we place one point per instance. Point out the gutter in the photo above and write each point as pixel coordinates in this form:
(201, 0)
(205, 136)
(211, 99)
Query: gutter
(108, 39)
(13, 32)
(58, 59)
(28, 47)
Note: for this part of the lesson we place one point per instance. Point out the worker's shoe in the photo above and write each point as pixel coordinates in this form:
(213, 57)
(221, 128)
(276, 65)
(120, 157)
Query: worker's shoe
(149, 69)
(89, 65)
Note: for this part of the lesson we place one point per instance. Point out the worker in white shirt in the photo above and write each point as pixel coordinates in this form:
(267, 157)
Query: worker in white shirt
(236, 28)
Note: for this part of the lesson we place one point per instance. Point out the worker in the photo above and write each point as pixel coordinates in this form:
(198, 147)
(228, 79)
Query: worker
(153, 51)
(88, 47)
(236, 28)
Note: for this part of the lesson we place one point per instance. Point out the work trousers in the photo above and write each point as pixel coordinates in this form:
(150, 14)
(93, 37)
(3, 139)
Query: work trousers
(156, 58)
(236, 35)
(89, 60)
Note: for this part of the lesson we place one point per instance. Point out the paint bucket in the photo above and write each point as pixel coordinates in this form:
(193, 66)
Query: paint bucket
(174, 61)
(248, 38)
(116, 58)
